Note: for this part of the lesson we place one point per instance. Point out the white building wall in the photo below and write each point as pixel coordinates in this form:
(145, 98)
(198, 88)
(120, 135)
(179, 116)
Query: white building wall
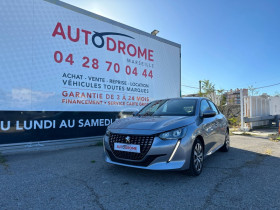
(274, 106)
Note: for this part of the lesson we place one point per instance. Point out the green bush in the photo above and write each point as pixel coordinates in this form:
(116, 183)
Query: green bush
(233, 121)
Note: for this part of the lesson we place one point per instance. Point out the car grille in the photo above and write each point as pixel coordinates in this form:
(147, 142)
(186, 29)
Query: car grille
(145, 162)
(145, 143)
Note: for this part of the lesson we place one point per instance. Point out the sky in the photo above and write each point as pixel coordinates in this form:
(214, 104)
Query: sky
(234, 43)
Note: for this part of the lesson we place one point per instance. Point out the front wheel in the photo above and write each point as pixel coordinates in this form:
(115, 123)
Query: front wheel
(226, 146)
(196, 163)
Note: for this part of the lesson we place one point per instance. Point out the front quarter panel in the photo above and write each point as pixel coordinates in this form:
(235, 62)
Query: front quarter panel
(186, 145)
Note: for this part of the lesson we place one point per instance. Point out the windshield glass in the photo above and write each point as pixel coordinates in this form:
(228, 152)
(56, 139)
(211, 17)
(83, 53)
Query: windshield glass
(171, 107)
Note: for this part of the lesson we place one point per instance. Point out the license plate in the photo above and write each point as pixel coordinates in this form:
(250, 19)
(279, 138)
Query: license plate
(127, 147)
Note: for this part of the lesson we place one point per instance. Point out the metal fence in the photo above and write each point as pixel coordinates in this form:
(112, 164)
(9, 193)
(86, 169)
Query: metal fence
(258, 110)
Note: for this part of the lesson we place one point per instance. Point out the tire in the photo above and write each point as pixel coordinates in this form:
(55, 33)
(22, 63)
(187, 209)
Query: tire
(197, 158)
(226, 146)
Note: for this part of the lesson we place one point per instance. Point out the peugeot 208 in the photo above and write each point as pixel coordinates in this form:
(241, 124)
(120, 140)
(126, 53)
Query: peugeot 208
(170, 134)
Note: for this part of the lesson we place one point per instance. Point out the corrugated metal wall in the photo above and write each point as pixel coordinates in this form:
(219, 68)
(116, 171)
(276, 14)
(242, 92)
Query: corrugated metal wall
(258, 106)
(274, 105)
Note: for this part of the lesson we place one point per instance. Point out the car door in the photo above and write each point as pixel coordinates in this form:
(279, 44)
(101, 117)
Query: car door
(220, 128)
(209, 128)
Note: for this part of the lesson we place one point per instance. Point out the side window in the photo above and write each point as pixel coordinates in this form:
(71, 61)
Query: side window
(204, 106)
(213, 107)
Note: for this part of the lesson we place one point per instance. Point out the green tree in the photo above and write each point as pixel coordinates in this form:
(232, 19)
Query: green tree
(222, 97)
(208, 89)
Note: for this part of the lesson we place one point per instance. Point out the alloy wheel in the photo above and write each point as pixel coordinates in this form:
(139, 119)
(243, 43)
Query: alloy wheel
(227, 140)
(198, 157)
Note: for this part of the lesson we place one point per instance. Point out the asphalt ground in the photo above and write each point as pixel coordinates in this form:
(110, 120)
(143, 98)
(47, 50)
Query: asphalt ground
(247, 177)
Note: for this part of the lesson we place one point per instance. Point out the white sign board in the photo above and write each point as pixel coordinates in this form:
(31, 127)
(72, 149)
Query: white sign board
(57, 59)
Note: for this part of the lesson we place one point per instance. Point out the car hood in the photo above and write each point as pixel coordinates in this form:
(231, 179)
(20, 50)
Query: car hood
(150, 124)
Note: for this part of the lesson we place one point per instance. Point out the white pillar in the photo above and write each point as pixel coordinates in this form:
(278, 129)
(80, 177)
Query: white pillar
(262, 122)
(251, 110)
(242, 109)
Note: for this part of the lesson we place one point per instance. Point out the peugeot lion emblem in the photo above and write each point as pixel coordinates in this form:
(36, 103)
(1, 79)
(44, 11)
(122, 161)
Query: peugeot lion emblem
(127, 139)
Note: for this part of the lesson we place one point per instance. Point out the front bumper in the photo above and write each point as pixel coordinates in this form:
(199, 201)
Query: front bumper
(158, 157)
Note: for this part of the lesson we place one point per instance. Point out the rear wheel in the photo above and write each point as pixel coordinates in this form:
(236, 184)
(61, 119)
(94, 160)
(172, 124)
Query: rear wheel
(226, 146)
(196, 163)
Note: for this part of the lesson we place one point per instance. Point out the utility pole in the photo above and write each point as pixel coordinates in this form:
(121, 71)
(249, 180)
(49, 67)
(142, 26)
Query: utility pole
(199, 87)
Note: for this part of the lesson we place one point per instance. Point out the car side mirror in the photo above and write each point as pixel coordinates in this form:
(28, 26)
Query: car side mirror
(208, 114)
(134, 113)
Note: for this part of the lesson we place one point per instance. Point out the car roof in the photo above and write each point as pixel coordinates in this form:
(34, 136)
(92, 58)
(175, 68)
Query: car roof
(194, 98)
(197, 98)
(185, 98)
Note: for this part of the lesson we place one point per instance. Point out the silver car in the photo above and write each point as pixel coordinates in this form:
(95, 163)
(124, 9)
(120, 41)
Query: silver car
(170, 134)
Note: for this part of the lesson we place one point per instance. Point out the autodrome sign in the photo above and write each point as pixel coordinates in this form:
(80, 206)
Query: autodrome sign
(64, 68)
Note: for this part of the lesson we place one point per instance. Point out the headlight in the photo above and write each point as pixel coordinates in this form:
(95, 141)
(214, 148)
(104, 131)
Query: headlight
(107, 132)
(175, 134)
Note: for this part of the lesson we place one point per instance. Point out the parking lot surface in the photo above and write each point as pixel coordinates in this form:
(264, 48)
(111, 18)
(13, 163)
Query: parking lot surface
(248, 176)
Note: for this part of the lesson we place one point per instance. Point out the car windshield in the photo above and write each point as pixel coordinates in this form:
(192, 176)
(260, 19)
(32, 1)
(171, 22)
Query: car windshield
(170, 107)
